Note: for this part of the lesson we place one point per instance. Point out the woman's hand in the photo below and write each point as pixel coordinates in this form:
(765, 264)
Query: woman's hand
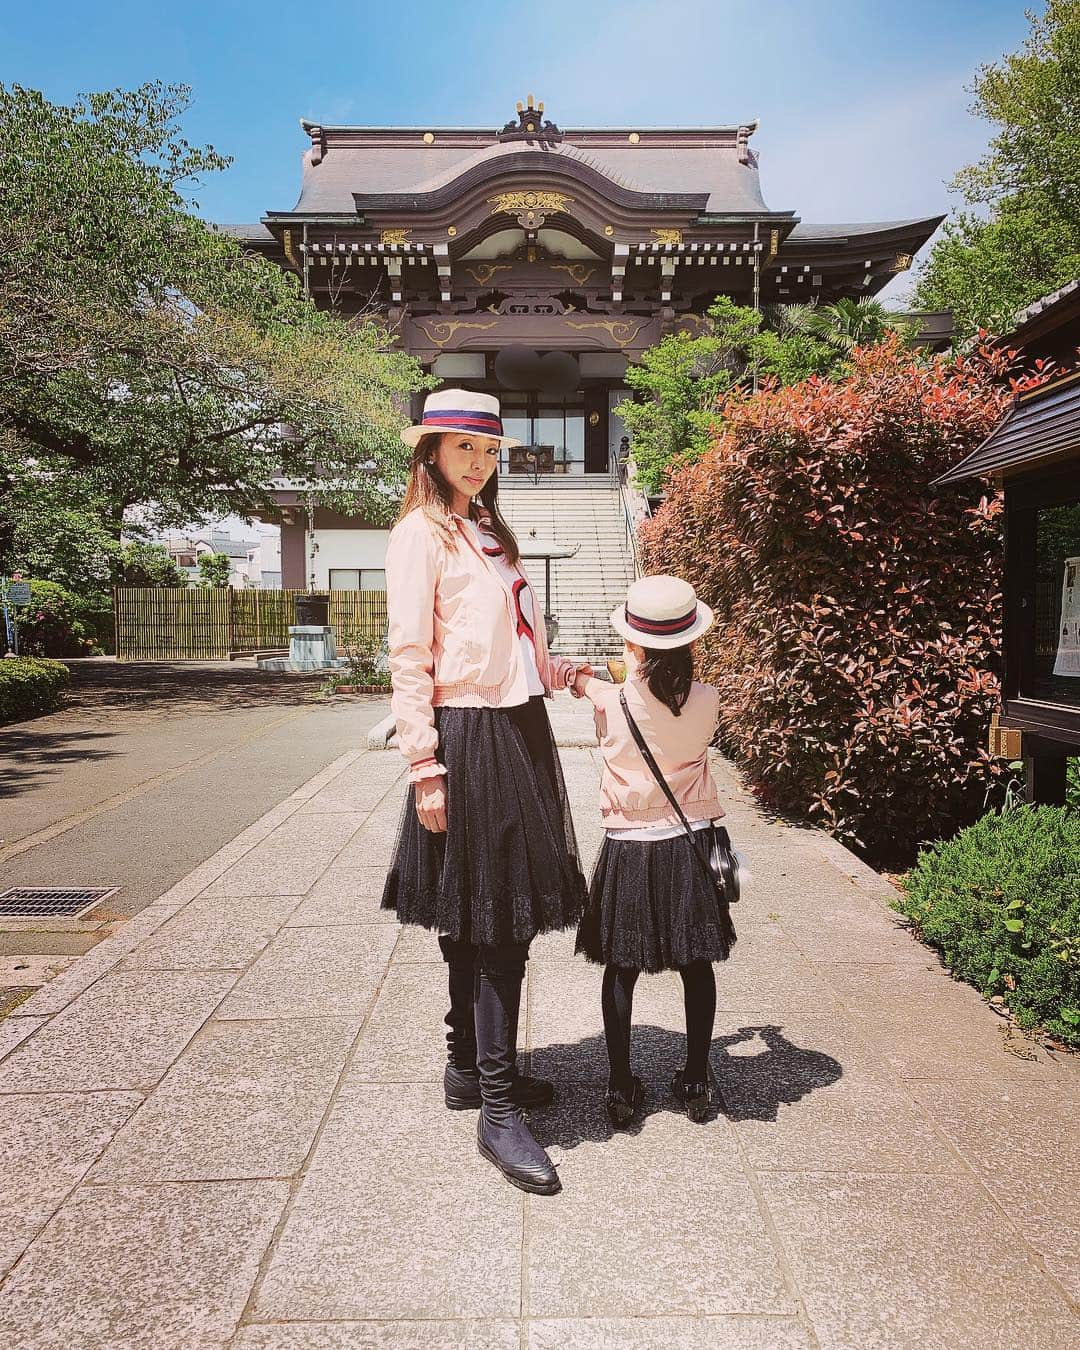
(431, 804)
(578, 682)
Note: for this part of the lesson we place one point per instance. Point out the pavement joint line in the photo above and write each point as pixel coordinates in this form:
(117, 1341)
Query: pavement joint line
(9, 851)
(118, 945)
(297, 1180)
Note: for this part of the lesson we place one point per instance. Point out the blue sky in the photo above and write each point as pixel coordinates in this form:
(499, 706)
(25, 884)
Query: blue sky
(862, 105)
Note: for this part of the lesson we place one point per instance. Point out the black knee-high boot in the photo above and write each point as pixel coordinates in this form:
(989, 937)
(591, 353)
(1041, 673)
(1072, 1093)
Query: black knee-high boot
(461, 1083)
(501, 1134)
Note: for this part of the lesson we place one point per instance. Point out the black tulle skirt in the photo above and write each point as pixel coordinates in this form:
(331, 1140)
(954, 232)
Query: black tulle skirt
(507, 867)
(650, 908)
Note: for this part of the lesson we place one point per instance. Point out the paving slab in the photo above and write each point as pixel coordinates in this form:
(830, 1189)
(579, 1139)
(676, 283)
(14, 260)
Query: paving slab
(404, 1037)
(898, 1261)
(245, 1100)
(292, 858)
(15, 1030)
(47, 1143)
(375, 1335)
(314, 972)
(122, 1033)
(344, 895)
(617, 1240)
(128, 1267)
(673, 1333)
(397, 1218)
(213, 933)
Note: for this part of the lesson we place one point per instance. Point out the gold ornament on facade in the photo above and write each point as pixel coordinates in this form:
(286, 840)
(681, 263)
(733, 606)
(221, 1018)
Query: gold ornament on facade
(529, 201)
(609, 229)
(902, 263)
(429, 138)
(396, 236)
(774, 244)
(451, 230)
(286, 243)
(579, 272)
(440, 331)
(483, 272)
(633, 138)
(667, 236)
(621, 331)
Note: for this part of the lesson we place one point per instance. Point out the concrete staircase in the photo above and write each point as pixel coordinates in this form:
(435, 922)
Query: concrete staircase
(585, 588)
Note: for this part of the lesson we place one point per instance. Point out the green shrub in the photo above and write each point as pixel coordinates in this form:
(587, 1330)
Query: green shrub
(30, 686)
(51, 624)
(1001, 902)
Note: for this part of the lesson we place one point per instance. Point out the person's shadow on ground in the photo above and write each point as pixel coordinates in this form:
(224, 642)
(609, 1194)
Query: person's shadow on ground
(747, 1086)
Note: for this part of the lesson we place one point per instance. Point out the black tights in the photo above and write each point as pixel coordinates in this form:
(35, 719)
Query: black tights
(617, 1003)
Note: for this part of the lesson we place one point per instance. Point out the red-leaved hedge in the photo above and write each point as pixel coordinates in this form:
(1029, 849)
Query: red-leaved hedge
(858, 609)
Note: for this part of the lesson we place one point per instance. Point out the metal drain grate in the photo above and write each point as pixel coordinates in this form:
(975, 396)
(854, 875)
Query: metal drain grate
(52, 902)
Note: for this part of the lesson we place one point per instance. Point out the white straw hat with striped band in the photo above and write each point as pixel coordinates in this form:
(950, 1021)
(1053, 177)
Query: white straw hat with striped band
(661, 612)
(449, 410)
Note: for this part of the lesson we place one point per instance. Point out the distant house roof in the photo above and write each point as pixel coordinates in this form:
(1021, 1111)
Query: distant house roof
(1042, 426)
(252, 234)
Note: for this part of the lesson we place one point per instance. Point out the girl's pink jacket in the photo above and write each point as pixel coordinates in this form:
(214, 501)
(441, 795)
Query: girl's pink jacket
(630, 796)
(452, 636)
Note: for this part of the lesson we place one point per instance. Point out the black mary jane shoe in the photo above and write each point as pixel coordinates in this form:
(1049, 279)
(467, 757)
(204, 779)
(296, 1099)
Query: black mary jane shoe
(622, 1107)
(695, 1097)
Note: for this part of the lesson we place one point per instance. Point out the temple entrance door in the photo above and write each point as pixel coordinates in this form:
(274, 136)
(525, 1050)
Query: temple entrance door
(537, 419)
(596, 429)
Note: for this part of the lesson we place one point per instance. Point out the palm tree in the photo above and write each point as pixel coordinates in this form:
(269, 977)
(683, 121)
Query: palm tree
(844, 324)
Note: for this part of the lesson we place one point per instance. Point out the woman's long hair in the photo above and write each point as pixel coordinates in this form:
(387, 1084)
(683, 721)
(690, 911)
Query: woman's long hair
(429, 490)
(669, 674)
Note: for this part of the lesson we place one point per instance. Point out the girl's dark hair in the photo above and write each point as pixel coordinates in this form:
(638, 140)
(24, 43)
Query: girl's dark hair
(427, 486)
(669, 674)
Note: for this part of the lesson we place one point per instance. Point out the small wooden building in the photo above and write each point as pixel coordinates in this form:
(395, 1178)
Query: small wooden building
(1034, 454)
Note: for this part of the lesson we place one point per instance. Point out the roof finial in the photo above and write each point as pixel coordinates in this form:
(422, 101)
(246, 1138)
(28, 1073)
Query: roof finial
(529, 126)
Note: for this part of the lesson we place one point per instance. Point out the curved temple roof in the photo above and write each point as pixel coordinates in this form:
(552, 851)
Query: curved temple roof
(350, 162)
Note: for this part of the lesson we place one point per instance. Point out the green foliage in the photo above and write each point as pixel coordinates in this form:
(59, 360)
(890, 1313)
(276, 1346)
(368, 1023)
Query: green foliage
(141, 564)
(30, 686)
(214, 569)
(1026, 241)
(681, 381)
(150, 359)
(364, 652)
(857, 609)
(1001, 902)
(51, 625)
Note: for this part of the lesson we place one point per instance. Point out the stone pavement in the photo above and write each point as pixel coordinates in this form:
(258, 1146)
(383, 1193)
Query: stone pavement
(223, 1126)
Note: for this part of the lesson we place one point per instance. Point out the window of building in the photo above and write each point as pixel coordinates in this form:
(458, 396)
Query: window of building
(357, 579)
(1054, 671)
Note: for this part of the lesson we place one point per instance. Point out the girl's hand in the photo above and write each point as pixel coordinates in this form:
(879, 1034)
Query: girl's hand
(431, 804)
(580, 676)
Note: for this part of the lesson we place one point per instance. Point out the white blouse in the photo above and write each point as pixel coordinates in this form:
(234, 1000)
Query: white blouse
(522, 596)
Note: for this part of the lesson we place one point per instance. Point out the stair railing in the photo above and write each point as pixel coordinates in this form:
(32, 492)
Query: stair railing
(617, 468)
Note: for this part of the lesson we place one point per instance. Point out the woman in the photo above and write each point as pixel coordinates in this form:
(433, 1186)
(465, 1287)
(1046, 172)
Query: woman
(486, 855)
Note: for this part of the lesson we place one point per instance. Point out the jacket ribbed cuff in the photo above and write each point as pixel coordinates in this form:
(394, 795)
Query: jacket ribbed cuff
(422, 769)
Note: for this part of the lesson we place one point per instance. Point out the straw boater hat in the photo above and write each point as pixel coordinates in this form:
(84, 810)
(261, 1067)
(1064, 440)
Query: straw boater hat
(459, 410)
(662, 612)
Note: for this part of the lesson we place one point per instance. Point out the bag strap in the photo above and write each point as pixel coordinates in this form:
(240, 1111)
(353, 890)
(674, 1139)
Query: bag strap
(647, 756)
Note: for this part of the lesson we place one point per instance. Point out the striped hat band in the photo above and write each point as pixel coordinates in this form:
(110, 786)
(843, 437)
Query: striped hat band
(660, 627)
(459, 419)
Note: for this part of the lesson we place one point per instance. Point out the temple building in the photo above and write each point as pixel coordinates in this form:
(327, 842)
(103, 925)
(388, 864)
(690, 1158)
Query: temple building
(536, 262)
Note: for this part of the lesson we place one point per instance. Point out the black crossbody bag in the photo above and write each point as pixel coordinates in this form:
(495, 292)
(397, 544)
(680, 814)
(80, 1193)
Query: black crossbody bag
(719, 864)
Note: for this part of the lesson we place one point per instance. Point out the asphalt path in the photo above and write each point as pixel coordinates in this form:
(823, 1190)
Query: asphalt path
(151, 768)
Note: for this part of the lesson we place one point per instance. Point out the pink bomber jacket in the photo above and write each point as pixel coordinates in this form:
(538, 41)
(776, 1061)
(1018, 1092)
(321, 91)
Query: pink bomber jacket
(630, 796)
(452, 636)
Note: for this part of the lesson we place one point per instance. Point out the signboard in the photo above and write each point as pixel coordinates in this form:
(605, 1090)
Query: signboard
(1068, 651)
(18, 592)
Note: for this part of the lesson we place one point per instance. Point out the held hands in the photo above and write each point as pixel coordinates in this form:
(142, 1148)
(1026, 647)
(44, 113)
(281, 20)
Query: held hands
(577, 684)
(431, 804)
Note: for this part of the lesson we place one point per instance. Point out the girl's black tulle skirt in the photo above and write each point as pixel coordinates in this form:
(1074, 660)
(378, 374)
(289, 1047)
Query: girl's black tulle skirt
(650, 908)
(507, 867)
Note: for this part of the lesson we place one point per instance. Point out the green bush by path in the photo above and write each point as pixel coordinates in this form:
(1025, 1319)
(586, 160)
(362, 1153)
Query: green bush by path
(1001, 902)
(30, 686)
(51, 625)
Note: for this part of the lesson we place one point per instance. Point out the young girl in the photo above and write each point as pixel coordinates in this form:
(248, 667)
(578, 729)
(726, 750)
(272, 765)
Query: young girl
(486, 855)
(651, 906)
